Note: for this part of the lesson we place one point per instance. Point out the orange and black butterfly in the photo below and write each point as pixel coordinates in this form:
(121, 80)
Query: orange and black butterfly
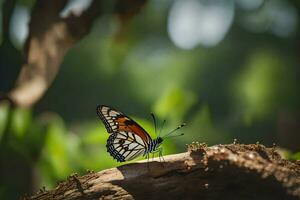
(128, 139)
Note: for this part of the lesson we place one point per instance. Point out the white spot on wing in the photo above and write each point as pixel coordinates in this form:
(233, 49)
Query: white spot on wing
(113, 113)
(139, 139)
(134, 145)
(127, 142)
(117, 147)
(104, 109)
(126, 154)
(134, 154)
(122, 151)
(121, 137)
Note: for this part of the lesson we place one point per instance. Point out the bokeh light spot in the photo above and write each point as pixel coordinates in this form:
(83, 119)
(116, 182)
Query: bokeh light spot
(195, 22)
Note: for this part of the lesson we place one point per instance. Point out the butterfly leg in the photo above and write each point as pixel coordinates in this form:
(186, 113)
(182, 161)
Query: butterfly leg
(147, 156)
(153, 155)
(161, 158)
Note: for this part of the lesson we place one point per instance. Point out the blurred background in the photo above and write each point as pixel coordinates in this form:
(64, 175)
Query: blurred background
(229, 69)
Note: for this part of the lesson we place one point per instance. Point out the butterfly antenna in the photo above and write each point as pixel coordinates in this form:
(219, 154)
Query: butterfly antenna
(181, 134)
(176, 129)
(154, 121)
(163, 124)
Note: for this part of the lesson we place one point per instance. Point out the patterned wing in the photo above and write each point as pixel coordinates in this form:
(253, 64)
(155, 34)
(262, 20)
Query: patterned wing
(124, 146)
(116, 122)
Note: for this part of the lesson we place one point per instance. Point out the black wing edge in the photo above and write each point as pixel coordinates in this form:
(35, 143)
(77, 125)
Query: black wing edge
(107, 126)
(103, 119)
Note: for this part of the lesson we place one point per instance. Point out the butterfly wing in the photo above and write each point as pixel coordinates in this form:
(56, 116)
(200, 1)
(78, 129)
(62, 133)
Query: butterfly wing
(125, 146)
(116, 121)
(128, 140)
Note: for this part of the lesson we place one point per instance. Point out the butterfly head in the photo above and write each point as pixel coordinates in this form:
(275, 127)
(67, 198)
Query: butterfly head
(155, 144)
(159, 140)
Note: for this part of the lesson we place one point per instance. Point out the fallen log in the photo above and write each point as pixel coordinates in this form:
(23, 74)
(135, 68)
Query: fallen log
(233, 171)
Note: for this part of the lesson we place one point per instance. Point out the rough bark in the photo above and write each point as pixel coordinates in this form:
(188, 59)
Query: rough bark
(50, 37)
(233, 171)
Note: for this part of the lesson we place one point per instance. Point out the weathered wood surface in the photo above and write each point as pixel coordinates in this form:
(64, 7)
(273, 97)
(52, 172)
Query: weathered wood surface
(233, 171)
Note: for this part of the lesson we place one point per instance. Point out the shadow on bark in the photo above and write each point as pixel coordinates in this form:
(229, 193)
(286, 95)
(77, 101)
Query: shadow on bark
(233, 171)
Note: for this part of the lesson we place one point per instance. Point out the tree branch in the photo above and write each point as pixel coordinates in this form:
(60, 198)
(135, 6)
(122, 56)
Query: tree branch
(50, 37)
(231, 171)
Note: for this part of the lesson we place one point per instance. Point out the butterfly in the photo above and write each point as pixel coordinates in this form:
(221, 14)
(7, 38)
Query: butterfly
(128, 140)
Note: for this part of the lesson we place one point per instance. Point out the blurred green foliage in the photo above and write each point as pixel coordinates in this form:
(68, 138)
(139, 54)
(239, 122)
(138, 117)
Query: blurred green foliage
(245, 87)
(264, 79)
(4, 111)
(55, 151)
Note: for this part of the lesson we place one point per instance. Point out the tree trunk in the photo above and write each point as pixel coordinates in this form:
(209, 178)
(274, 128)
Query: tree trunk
(233, 171)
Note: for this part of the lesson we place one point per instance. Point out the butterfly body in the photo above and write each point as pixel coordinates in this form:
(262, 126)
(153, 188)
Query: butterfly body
(154, 145)
(127, 139)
